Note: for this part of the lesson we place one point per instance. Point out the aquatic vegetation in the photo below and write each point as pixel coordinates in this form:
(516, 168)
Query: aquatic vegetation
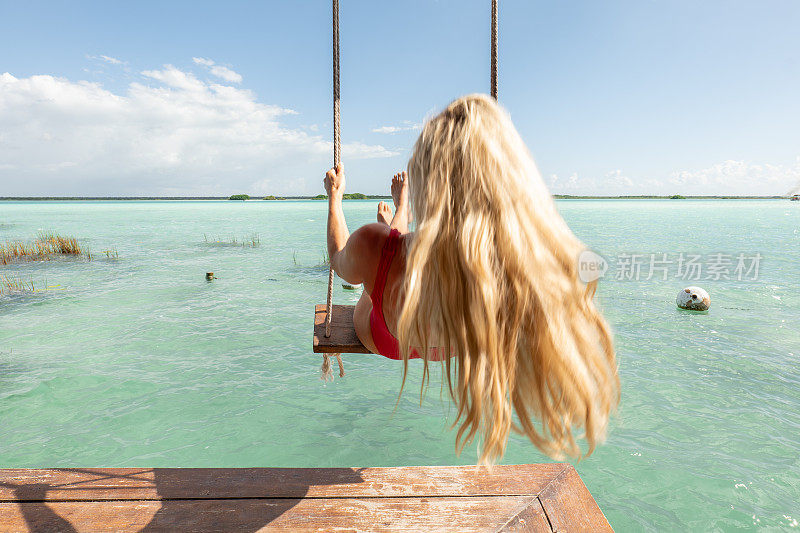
(239, 197)
(326, 260)
(251, 242)
(112, 253)
(9, 286)
(44, 247)
(323, 264)
(15, 286)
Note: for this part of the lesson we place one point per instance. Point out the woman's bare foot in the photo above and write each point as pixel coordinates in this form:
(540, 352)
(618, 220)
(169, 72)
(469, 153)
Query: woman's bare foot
(400, 198)
(400, 189)
(384, 213)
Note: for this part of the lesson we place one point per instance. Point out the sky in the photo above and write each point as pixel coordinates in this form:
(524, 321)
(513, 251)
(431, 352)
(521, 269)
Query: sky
(217, 98)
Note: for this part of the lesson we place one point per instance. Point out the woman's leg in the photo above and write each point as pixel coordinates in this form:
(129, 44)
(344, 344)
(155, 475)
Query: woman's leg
(402, 213)
(384, 213)
(361, 321)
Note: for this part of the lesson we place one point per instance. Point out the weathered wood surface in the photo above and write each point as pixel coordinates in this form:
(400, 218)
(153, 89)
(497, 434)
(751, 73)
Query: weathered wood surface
(566, 503)
(544, 497)
(343, 337)
(392, 514)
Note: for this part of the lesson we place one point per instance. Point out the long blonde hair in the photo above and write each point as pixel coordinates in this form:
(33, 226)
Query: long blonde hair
(492, 278)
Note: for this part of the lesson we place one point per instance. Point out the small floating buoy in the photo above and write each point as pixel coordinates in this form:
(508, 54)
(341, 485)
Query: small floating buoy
(350, 287)
(694, 299)
(210, 276)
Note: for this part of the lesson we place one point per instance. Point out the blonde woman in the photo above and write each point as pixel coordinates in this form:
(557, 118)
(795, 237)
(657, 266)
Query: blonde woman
(490, 277)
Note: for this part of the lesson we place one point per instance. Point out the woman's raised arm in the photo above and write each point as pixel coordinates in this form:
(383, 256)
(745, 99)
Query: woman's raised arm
(354, 256)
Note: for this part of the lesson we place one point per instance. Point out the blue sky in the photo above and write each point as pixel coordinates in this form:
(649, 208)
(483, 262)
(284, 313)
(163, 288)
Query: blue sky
(201, 98)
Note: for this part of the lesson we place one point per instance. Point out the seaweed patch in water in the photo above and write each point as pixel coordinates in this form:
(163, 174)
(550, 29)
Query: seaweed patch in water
(325, 262)
(44, 247)
(17, 285)
(111, 253)
(251, 242)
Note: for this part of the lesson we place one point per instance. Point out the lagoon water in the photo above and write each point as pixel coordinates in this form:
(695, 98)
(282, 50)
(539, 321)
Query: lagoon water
(139, 361)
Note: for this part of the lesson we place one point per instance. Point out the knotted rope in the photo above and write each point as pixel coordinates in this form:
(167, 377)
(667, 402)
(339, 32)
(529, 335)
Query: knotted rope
(494, 50)
(325, 369)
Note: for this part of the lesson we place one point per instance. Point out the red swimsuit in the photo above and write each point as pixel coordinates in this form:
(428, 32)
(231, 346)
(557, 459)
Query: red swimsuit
(385, 342)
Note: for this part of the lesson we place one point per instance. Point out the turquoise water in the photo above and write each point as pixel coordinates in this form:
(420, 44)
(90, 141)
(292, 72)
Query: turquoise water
(140, 362)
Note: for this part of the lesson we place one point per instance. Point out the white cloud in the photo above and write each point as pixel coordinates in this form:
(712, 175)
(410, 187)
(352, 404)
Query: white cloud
(407, 125)
(737, 176)
(168, 134)
(176, 78)
(219, 71)
(108, 59)
(734, 178)
(571, 184)
(226, 74)
(357, 150)
(203, 61)
(616, 178)
(614, 182)
(112, 60)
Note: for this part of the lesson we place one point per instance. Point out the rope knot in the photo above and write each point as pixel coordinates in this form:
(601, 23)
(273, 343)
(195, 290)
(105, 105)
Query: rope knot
(326, 370)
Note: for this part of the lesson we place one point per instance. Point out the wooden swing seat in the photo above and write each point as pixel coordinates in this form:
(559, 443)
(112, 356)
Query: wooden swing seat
(343, 337)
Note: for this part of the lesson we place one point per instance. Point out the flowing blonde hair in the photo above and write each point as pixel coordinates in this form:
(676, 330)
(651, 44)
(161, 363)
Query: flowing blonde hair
(492, 278)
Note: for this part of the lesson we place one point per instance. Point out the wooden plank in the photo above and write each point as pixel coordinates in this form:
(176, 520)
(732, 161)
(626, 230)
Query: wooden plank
(175, 483)
(369, 514)
(343, 337)
(570, 506)
(507, 498)
(530, 517)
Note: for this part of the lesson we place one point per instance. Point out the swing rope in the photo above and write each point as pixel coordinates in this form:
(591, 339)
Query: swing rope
(325, 369)
(494, 50)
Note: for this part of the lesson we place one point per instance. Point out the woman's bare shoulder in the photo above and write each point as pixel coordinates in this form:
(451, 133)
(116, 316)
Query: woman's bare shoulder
(368, 240)
(362, 253)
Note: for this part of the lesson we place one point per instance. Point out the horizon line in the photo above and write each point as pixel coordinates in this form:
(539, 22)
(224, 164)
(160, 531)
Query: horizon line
(380, 197)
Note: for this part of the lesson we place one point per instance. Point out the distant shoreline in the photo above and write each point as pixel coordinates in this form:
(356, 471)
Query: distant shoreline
(369, 197)
(165, 198)
(668, 197)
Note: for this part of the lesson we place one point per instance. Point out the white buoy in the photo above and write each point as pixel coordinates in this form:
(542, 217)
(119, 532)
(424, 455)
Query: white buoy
(694, 299)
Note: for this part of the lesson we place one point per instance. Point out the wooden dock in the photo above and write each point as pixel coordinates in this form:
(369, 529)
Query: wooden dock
(539, 497)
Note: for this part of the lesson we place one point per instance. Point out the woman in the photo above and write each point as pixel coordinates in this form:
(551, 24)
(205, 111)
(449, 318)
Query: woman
(489, 277)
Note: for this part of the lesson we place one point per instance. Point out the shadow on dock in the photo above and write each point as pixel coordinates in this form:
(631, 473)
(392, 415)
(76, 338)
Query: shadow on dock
(172, 498)
(181, 507)
(544, 497)
(38, 516)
